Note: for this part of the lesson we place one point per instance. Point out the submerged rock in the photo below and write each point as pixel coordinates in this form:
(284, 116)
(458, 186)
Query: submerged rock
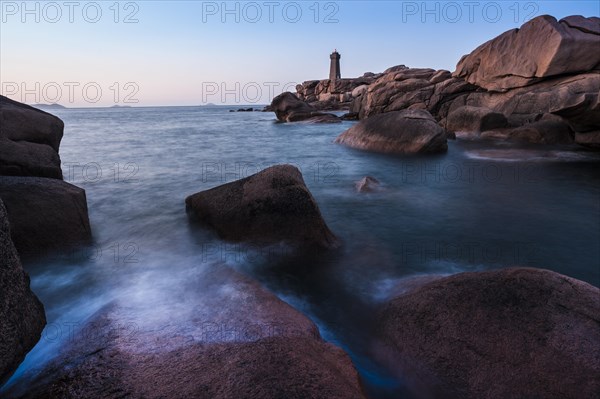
(543, 47)
(289, 108)
(29, 141)
(367, 184)
(45, 214)
(400, 132)
(512, 333)
(254, 346)
(270, 206)
(22, 316)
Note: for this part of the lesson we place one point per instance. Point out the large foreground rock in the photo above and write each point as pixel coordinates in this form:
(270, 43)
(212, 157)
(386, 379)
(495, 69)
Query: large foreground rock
(45, 214)
(400, 132)
(29, 141)
(253, 346)
(270, 206)
(543, 47)
(22, 316)
(289, 108)
(512, 333)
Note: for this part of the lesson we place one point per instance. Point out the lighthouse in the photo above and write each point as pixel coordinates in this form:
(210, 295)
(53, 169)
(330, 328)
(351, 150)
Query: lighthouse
(334, 68)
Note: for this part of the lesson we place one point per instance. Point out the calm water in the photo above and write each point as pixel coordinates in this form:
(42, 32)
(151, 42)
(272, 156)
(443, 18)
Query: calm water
(477, 207)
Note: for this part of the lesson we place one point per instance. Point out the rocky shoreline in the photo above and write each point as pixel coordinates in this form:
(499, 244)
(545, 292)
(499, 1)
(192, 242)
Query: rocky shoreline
(536, 93)
(514, 332)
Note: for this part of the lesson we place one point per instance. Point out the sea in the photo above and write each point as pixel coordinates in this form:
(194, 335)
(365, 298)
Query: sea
(482, 205)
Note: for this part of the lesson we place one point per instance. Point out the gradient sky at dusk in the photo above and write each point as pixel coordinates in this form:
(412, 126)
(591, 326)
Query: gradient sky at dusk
(190, 52)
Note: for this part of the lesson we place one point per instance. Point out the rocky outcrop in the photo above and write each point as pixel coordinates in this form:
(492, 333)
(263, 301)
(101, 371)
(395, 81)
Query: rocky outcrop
(542, 48)
(45, 214)
(29, 141)
(411, 88)
(22, 316)
(254, 346)
(271, 206)
(570, 93)
(336, 94)
(573, 98)
(288, 108)
(512, 333)
(400, 132)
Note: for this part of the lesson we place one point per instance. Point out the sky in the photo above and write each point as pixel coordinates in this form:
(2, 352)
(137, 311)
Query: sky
(150, 53)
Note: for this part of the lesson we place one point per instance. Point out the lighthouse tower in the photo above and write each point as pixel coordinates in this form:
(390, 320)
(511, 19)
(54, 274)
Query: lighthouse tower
(334, 69)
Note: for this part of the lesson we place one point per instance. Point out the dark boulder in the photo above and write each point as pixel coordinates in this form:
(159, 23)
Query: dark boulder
(350, 116)
(22, 316)
(29, 141)
(45, 214)
(20, 158)
(270, 206)
(289, 108)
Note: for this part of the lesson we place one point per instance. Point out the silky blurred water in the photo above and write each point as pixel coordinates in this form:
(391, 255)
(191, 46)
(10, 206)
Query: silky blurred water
(480, 206)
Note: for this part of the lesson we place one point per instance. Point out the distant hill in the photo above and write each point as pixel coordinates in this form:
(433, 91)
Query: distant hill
(49, 106)
(120, 106)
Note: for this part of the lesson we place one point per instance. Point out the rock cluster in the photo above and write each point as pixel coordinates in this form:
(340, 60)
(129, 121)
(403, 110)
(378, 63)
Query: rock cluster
(334, 94)
(46, 215)
(508, 83)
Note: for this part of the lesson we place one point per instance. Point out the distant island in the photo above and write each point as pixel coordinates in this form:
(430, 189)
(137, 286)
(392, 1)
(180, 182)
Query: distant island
(52, 106)
(120, 106)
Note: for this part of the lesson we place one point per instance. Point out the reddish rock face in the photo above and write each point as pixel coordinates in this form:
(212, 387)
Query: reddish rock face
(120, 354)
(400, 132)
(270, 206)
(546, 67)
(543, 47)
(512, 333)
(22, 316)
